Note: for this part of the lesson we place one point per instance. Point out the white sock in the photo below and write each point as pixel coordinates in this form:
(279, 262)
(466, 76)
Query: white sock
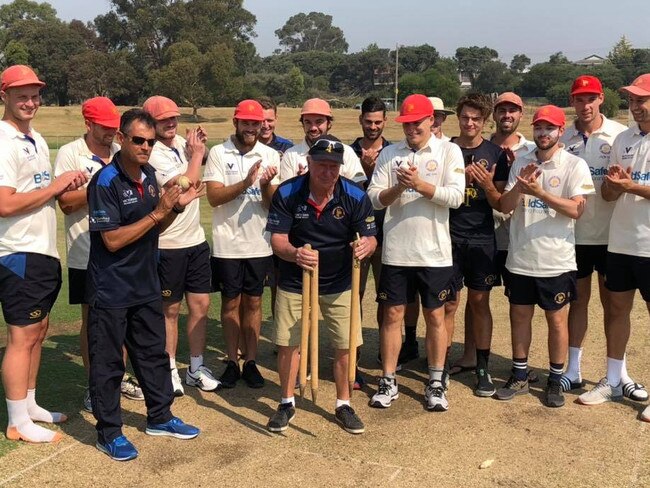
(614, 367)
(291, 400)
(39, 414)
(195, 362)
(172, 362)
(573, 369)
(625, 378)
(340, 403)
(20, 426)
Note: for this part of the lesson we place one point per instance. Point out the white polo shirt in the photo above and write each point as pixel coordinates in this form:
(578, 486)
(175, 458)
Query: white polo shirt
(416, 229)
(297, 155)
(629, 230)
(75, 156)
(542, 240)
(185, 231)
(238, 226)
(593, 227)
(501, 220)
(25, 166)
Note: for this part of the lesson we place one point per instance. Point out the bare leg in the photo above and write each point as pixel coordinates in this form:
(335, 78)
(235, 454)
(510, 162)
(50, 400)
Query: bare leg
(251, 324)
(341, 357)
(231, 325)
(390, 335)
(288, 362)
(197, 319)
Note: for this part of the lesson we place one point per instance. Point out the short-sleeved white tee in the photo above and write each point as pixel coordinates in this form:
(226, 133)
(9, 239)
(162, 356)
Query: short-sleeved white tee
(25, 165)
(629, 230)
(416, 229)
(542, 240)
(75, 156)
(296, 156)
(501, 220)
(185, 231)
(239, 226)
(592, 228)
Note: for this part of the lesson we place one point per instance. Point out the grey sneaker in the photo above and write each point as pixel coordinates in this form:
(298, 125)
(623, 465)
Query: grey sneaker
(177, 386)
(386, 393)
(349, 420)
(435, 396)
(635, 391)
(512, 388)
(279, 421)
(484, 386)
(601, 393)
(553, 396)
(202, 378)
(130, 389)
(88, 405)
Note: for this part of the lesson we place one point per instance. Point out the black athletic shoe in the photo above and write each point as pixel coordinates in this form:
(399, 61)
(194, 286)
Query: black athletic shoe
(408, 352)
(553, 396)
(349, 420)
(279, 421)
(251, 375)
(484, 385)
(230, 375)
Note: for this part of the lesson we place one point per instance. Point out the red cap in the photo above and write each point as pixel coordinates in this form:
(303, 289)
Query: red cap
(639, 87)
(249, 110)
(100, 110)
(551, 114)
(586, 84)
(316, 106)
(509, 97)
(415, 107)
(19, 75)
(161, 107)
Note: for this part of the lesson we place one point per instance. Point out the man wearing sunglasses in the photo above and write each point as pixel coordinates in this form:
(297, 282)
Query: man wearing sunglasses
(127, 215)
(327, 211)
(184, 264)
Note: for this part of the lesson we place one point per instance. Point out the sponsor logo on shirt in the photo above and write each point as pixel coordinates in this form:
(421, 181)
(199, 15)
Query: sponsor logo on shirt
(252, 191)
(301, 212)
(639, 176)
(535, 204)
(629, 153)
(129, 201)
(470, 194)
(99, 217)
(42, 177)
(574, 148)
(599, 173)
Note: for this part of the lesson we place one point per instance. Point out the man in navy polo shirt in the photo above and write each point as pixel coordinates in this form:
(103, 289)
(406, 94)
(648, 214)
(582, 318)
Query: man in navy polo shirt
(327, 211)
(126, 217)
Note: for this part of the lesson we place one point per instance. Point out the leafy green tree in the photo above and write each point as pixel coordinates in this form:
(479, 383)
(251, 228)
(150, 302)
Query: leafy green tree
(471, 59)
(543, 76)
(15, 52)
(519, 63)
(558, 94)
(295, 84)
(311, 32)
(612, 103)
(414, 59)
(495, 77)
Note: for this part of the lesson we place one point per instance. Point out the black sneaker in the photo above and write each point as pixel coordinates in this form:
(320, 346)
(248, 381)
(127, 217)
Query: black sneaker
(230, 375)
(553, 396)
(251, 375)
(279, 421)
(484, 386)
(512, 388)
(349, 420)
(408, 352)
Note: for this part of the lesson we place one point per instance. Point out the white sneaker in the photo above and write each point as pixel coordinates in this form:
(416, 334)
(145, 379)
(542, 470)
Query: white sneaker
(202, 378)
(88, 405)
(601, 393)
(435, 396)
(386, 393)
(177, 386)
(130, 389)
(645, 415)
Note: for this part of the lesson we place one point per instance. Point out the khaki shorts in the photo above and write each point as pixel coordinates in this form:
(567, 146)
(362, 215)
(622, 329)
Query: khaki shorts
(335, 310)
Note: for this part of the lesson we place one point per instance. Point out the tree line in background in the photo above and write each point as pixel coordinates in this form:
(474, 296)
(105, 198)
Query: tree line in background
(200, 53)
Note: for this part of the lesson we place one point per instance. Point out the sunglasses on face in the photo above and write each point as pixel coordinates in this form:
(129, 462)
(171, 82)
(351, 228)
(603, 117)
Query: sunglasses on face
(328, 146)
(139, 141)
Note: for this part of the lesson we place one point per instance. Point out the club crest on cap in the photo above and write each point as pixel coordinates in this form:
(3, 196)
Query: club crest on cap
(410, 107)
(585, 82)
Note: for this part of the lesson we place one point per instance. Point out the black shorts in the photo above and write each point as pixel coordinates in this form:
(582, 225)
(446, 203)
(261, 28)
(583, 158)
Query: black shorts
(502, 272)
(184, 270)
(475, 265)
(589, 258)
(626, 272)
(77, 286)
(29, 286)
(398, 285)
(551, 293)
(232, 277)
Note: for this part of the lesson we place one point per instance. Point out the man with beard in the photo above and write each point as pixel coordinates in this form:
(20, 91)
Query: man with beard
(591, 137)
(417, 180)
(316, 119)
(472, 235)
(30, 271)
(241, 254)
(628, 249)
(184, 262)
(267, 134)
(546, 190)
(89, 154)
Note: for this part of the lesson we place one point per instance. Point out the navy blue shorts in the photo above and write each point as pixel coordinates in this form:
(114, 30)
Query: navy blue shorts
(399, 285)
(184, 270)
(551, 293)
(233, 277)
(475, 265)
(77, 286)
(625, 273)
(590, 258)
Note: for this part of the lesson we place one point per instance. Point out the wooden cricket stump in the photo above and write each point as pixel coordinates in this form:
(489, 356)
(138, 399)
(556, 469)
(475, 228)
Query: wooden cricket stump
(355, 317)
(309, 331)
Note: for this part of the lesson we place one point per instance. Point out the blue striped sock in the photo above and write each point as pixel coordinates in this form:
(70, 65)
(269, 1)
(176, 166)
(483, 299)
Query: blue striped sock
(520, 368)
(555, 371)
